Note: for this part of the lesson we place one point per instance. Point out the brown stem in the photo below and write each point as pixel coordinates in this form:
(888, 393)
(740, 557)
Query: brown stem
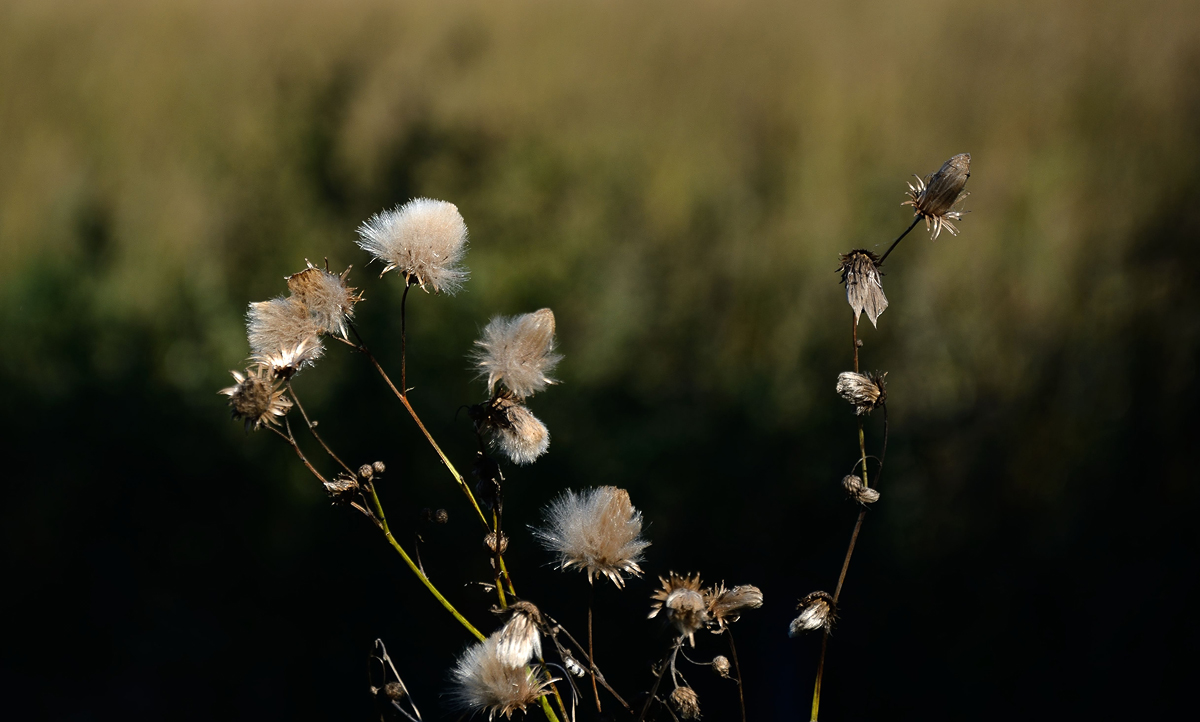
(668, 662)
(591, 654)
(854, 336)
(404, 340)
(897, 241)
(288, 437)
(559, 629)
(312, 428)
(737, 669)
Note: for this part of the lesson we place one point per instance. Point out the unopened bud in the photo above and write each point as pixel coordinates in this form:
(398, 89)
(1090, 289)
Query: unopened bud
(441, 516)
(489, 541)
(393, 691)
(379, 467)
(720, 665)
(366, 471)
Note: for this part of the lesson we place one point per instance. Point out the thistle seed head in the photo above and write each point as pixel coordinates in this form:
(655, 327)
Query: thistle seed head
(597, 531)
(725, 606)
(513, 430)
(853, 485)
(425, 240)
(864, 286)
(256, 398)
(485, 682)
(817, 611)
(283, 335)
(683, 604)
(866, 391)
(934, 197)
(518, 352)
(519, 641)
(686, 702)
(330, 302)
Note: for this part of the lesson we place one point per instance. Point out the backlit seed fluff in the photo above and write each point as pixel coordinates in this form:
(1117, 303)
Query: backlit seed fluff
(684, 605)
(686, 702)
(256, 398)
(514, 430)
(330, 302)
(856, 491)
(425, 240)
(518, 352)
(816, 612)
(725, 606)
(934, 197)
(864, 287)
(287, 362)
(597, 531)
(484, 682)
(283, 326)
(866, 391)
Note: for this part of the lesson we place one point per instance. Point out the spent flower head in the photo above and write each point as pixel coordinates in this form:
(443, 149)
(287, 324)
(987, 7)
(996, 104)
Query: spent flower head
(424, 239)
(257, 398)
(329, 301)
(518, 352)
(485, 681)
(597, 530)
(866, 391)
(725, 606)
(864, 287)
(684, 605)
(512, 429)
(853, 485)
(817, 611)
(935, 196)
(686, 702)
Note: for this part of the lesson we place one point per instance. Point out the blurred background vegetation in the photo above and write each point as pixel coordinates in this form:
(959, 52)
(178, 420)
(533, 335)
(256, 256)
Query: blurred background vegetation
(676, 180)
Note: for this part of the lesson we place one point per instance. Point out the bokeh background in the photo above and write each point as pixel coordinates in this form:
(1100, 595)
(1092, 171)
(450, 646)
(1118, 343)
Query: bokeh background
(676, 180)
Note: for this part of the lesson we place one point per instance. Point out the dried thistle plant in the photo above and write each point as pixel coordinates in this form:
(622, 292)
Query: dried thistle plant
(597, 531)
(487, 682)
(256, 398)
(864, 285)
(284, 325)
(683, 604)
(934, 197)
(424, 239)
(725, 606)
(866, 391)
(518, 352)
(329, 301)
(817, 611)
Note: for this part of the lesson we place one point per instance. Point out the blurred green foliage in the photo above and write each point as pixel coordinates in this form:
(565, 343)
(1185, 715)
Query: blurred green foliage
(676, 180)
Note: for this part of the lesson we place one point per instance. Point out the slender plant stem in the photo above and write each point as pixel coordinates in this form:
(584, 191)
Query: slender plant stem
(548, 710)
(496, 559)
(668, 663)
(816, 705)
(897, 241)
(737, 669)
(591, 654)
(404, 339)
(591, 664)
(312, 428)
(288, 437)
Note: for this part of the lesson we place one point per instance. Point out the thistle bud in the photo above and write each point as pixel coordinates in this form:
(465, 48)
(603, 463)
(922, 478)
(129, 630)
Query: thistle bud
(864, 286)
(720, 665)
(393, 691)
(866, 391)
(367, 472)
(489, 541)
(441, 516)
(686, 702)
(817, 611)
(379, 467)
(855, 489)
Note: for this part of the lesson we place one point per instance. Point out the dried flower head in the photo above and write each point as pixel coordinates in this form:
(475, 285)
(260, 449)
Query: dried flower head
(864, 289)
(287, 362)
(518, 352)
(686, 702)
(683, 603)
(485, 682)
(519, 641)
(342, 488)
(283, 333)
(725, 606)
(256, 398)
(330, 302)
(424, 239)
(934, 197)
(853, 485)
(513, 429)
(490, 543)
(866, 391)
(720, 665)
(598, 531)
(817, 611)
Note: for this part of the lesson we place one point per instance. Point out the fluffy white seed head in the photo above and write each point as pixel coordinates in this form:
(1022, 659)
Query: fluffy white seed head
(518, 352)
(423, 239)
(597, 531)
(524, 438)
(330, 302)
(283, 325)
(484, 681)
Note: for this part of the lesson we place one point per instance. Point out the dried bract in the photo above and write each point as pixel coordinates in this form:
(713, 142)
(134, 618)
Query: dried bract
(683, 603)
(513, 430)
(484, 682)
(725, 606)
(817, 611)
(597, 531)
(282, 333)
(518, 352)
(342, 488)
(256, 398)
(686, 702)
(935, 196)
(330, 302)
(864, 288)
(866, 391)
(424, 239)
(854, 488)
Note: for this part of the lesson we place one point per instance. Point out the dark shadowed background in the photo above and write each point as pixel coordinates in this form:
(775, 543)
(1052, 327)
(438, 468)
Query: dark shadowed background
(676, 180)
